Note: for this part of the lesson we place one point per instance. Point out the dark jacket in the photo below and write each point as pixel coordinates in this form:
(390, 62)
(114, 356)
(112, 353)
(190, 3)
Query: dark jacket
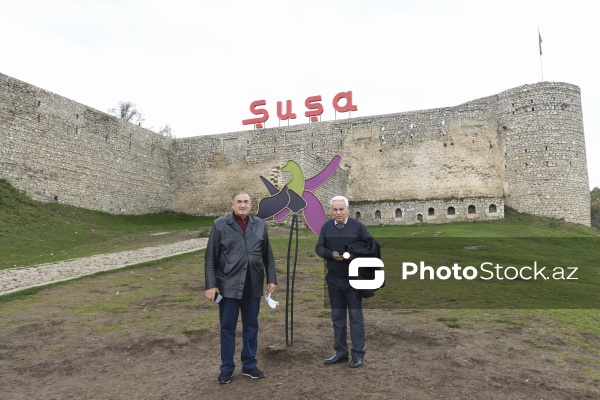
(230, 252)
(333, 239)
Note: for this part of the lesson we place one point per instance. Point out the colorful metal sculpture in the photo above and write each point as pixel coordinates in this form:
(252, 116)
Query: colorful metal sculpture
(296, 196)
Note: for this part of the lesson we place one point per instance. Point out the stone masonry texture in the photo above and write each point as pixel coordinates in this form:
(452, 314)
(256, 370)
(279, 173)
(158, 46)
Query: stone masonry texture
(523, 148)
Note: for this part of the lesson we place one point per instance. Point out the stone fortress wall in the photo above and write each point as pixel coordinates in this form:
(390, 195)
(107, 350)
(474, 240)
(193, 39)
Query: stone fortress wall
(523, 147)
(55, 149)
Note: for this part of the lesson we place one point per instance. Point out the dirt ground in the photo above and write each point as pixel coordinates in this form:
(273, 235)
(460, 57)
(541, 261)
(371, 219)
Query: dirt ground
(52, 348)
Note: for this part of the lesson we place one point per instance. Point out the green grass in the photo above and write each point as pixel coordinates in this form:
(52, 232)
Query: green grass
(35, 233)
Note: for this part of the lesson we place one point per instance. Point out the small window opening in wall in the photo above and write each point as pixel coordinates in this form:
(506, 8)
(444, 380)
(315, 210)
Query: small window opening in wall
(419, 218)
(546, 147)
(570, 162)
(532, 109)
(531, 101)
(513, 113)
(525, 150)
(547, 163)
(377, 214)
(445, 144)
(431, 211)
(39, 118)
(398, 213)
(493, 208)
(39, 103)
(526, 165)
(76, 116)
(76, 130)
(451, 211)
(358, 216)
(513, 104)
(130, 144)
(55, 198)
(106, 138)
(471, 209)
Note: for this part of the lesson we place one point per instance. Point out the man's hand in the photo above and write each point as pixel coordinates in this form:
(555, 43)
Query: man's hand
(211, 293)
(271, 287)
(337, 256)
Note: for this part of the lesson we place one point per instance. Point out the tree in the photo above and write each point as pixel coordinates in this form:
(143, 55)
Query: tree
(595, 207)
(127, 111)
(166, 131)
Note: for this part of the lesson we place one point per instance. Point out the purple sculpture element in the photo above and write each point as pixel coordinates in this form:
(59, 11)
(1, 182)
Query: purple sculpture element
(297, 195)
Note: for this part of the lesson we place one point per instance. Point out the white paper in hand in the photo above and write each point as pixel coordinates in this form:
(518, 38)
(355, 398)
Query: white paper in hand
(272, 303)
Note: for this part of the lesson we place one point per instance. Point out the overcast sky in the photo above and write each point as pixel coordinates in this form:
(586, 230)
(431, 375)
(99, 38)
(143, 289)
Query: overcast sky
(197, 65)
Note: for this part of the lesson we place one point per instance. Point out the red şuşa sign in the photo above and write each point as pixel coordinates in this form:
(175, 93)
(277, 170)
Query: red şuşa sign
(312, 103)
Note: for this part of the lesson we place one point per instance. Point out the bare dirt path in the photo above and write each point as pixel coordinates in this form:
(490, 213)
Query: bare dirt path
(13, 280)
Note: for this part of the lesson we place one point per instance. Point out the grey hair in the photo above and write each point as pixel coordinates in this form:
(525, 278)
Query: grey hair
(238, 192)
(338, 198)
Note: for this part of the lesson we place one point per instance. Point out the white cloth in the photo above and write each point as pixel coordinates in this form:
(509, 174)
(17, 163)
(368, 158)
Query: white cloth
(272, 303)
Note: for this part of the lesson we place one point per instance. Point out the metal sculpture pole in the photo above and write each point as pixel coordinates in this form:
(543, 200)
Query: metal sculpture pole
(289, 295)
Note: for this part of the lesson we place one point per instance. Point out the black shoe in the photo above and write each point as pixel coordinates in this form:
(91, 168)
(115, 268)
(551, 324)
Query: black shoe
(335, 359)
(356, 362)
(225, 377)
(253, 373)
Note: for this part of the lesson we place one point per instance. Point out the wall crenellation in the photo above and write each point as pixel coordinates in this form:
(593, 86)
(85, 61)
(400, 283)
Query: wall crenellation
(523, 148)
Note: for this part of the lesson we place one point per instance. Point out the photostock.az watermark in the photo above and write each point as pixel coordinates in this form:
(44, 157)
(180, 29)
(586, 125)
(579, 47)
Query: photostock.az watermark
(487, 271)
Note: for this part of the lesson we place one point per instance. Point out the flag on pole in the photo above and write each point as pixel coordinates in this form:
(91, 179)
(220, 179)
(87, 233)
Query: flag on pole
(540, 41)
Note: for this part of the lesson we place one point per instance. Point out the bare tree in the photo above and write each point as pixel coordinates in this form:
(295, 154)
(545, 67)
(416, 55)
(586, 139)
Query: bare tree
(127, 111)
(166, 131)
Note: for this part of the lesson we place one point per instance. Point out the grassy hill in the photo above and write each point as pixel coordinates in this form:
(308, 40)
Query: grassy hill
(33, 233)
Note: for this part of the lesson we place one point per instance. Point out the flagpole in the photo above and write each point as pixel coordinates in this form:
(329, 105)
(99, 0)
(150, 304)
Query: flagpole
(540, 44)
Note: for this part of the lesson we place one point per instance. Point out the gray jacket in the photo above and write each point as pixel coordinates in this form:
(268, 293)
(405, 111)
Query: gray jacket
(230, 252)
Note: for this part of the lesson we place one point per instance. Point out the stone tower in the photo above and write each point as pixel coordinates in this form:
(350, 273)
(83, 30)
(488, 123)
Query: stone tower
(545, 161)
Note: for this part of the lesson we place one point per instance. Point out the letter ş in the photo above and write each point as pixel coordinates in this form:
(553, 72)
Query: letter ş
(312, 103)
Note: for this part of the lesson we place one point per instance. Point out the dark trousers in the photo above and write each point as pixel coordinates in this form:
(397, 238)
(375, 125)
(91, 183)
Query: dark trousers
(344, 299)
(228, 313)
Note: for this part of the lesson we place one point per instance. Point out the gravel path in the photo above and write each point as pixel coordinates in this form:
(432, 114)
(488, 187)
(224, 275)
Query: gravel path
(13, 280)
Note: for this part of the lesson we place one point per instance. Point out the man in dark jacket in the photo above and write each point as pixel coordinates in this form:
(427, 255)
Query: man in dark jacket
(335, 238)
(238, 255)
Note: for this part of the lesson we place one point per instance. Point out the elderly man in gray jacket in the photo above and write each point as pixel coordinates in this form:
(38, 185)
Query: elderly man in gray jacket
(238, 255)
